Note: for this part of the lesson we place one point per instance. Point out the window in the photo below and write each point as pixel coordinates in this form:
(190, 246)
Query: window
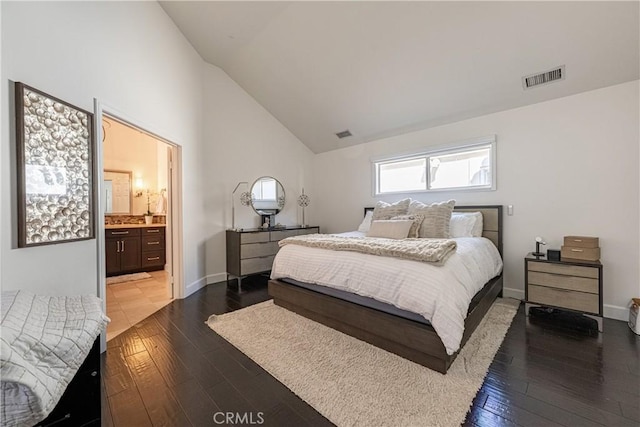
(265, 189)
(465, 166)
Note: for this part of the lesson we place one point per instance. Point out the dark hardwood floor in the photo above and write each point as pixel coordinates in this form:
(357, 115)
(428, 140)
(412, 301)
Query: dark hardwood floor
(172, 370)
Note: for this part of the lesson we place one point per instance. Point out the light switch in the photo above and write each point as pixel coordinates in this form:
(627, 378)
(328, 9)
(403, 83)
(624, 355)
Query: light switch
(510, 210)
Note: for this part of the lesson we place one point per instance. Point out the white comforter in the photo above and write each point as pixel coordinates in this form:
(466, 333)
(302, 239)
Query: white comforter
(441, 294)
(44, 340)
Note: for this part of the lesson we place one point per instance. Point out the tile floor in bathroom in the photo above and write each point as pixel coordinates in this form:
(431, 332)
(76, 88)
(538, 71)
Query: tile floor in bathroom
(130, 302)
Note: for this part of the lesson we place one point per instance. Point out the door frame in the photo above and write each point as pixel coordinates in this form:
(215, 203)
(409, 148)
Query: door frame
(174, 214)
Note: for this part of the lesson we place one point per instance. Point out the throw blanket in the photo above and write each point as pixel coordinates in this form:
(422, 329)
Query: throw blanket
(43, 342)
(425, 250)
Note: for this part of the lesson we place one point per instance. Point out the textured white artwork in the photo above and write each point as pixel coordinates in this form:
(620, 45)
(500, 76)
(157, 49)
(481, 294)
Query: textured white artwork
(55, 154)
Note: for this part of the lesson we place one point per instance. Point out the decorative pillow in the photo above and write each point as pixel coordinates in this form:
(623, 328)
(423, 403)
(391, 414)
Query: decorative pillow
(437, 217)
(366, 222)
(417, 222)
(390, 229)
(461, 225)
(385, 210)
(466, 224)
(476, 231)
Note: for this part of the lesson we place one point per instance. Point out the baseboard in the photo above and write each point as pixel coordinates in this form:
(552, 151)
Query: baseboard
(195, 286)
(215, 278)
(615, 312)
(204, 281)
(513, 293)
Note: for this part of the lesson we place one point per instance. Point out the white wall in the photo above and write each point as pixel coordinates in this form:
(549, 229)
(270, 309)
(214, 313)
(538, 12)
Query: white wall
(244, 142)
(569, 166)
(132, 58)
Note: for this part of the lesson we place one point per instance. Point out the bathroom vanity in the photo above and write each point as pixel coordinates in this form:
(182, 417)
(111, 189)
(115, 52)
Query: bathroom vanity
(132, 248)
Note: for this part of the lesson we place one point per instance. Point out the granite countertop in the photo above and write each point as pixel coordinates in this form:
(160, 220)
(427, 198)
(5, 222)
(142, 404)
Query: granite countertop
(117, 226)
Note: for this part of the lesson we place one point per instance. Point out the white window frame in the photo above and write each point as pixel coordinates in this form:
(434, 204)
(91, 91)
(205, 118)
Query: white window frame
(454, 148)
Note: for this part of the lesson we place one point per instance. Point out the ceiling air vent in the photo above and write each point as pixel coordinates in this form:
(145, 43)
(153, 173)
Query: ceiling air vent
(343, 134)
(543, 78)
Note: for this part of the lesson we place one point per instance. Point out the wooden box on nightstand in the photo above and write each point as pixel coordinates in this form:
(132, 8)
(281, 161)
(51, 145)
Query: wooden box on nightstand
(569, 285)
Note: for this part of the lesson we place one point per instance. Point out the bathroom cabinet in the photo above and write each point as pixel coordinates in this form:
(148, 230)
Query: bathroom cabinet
(134, 249)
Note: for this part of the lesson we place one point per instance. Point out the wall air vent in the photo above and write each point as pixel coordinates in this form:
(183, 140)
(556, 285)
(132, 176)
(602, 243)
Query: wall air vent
(543, 78)
(343, 134)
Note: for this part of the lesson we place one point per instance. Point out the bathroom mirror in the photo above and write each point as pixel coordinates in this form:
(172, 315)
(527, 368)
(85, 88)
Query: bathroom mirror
(267, 196)
(117, 192)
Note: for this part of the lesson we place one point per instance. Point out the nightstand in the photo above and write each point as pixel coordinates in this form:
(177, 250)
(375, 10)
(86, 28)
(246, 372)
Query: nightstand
(573, 285)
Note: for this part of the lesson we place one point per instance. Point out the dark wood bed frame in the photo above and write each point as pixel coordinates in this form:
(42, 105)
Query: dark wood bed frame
(407, 338)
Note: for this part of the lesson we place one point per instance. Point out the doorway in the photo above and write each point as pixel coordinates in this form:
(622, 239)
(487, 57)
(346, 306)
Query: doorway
(136, 199)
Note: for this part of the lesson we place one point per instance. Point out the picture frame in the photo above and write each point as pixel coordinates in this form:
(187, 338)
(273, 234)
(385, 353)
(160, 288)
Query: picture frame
(55, 153)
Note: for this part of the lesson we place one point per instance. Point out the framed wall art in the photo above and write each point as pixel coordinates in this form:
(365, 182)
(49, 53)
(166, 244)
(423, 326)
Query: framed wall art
(55, 170)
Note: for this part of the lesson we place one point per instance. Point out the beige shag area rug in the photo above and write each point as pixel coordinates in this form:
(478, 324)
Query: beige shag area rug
(127, 278)
(353, 383)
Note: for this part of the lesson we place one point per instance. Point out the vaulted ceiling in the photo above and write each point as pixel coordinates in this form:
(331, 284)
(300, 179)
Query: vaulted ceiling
(385, 68)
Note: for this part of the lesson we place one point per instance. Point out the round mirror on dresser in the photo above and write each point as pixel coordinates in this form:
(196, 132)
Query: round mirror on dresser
(267, 198)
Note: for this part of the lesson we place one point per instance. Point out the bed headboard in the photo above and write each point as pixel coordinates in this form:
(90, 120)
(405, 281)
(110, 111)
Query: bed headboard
(491, 221)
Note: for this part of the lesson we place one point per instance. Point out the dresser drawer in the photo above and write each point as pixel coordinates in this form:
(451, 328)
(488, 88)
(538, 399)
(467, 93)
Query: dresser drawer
(573, 283)
(261, 236)
(283, 234)
(567, 270)
(152, 243)
(153, 259)
(117, 233)
(255, 250)
(580, 301)
(152, 231)
(256, 265)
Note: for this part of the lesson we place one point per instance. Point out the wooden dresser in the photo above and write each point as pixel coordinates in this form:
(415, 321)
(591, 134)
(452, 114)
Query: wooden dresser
(134, 249)
(569, 285)
(251, 251)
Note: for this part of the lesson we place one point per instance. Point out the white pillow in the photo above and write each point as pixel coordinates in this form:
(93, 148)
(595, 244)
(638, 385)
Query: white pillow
(390, 229)
(466, 224)
(478, 225)
(461, 225)
(417, 222)
(365, 225)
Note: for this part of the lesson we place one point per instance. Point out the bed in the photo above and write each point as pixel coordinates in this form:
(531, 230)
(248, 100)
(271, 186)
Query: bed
(49, 362)
(396, 330)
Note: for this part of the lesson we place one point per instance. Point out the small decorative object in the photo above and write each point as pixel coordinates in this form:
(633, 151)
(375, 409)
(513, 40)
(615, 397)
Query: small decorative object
(148, 215)
(539, 242)
(268, 221)
(584, 248)
(245, 200)
(553, 254)
(303, 202)
(55, 154)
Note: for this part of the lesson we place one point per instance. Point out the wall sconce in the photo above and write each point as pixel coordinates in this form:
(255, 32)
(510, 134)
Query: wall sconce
(139, 186)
